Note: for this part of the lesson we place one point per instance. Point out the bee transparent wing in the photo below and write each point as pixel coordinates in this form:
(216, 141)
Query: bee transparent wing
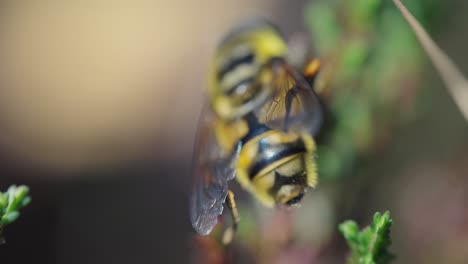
(295, 106)
(212, 170)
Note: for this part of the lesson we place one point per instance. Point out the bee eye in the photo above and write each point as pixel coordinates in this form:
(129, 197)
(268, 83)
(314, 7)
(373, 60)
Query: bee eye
(296, 199)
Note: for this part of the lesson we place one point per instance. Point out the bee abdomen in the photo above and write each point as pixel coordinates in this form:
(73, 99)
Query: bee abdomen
(274, 156)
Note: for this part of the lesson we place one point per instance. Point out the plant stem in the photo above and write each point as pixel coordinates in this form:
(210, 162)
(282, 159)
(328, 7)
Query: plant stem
(451, 75)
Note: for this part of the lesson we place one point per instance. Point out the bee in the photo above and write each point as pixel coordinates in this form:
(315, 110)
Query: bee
(258, 126)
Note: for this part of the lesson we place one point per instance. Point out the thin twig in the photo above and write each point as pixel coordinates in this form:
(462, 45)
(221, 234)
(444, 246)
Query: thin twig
(449, 72)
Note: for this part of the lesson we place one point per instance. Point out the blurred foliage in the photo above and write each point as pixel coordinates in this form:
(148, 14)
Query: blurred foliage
(372, 65)
(15, 198)
(369, 246)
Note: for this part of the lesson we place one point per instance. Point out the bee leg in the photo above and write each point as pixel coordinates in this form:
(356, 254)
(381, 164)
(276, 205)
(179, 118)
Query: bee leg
(231, 204)
(311, 71)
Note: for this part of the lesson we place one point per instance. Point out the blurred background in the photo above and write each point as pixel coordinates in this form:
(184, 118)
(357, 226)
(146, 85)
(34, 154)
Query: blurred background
(98, 108)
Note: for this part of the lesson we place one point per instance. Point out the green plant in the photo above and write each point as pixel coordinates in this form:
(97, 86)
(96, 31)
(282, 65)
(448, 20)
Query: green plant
(369, 246)
(372, 67)
(15, 198)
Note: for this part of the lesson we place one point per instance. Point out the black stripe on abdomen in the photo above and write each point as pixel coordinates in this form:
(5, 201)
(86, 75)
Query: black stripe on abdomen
(288, 149)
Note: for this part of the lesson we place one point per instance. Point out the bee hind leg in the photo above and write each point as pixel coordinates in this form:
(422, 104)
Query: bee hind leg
(228, 235)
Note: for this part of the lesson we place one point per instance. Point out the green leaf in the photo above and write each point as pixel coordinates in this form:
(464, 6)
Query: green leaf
(3, 201)
(15, 198)
(369, 246)
(9, 218)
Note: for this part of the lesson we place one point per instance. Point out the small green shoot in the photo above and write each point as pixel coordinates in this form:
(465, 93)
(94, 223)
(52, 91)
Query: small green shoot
(369, 246)
(15, 198)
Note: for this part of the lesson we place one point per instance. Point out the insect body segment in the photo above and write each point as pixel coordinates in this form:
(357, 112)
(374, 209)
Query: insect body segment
(275, 166)
(258, 127)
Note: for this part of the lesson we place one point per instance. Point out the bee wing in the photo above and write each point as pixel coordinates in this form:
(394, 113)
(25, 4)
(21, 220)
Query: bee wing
(295, 106)
(212, 169)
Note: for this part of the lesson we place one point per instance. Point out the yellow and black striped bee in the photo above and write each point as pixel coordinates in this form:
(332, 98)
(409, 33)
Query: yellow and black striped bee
(258, 126)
